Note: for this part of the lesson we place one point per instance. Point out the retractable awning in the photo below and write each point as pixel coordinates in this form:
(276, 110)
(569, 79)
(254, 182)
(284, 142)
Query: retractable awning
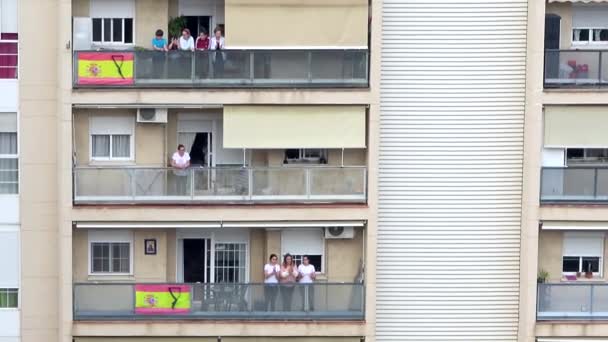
(576, 126)
(282, 127)
(218, 224)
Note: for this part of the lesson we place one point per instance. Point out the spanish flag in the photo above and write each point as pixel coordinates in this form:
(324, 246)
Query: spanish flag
(105, 68)
(165, 299)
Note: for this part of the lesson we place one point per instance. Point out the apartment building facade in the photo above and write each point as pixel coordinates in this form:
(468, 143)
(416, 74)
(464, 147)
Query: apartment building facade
(281, 130)
(10, 229)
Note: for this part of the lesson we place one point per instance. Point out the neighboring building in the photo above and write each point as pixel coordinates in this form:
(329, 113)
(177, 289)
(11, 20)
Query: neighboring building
(566, 220)
(281, 129)
(10, 284)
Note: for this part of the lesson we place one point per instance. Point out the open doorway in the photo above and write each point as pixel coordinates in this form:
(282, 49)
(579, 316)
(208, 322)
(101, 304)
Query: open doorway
(197, 260)
(196, 24)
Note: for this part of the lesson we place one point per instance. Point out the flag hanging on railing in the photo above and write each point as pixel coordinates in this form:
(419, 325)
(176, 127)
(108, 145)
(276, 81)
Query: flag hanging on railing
(163, 299)
(105, 68)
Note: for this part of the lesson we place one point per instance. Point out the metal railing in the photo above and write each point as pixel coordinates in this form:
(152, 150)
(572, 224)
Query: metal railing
(121, 301)
(574, 184)
(228, 68)
(576, 68)
(572, 301)
(219, 185)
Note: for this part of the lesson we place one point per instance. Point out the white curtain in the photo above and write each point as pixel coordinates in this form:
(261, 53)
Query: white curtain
(121, 146)
(186, 139)
(101, 146)
(8, 143)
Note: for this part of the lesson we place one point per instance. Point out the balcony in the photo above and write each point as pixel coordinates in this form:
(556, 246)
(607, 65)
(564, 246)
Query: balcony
(574, 184)
(572, 301)
(321, 301)
(331, 68)
(576, 68)
(128, 185)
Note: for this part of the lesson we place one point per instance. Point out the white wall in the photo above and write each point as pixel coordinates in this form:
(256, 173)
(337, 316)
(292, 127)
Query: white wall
(8, 95)
(9, 325)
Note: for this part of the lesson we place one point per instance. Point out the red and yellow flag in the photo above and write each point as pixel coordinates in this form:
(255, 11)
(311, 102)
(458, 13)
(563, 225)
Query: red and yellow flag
(105, 68)
(162, 299)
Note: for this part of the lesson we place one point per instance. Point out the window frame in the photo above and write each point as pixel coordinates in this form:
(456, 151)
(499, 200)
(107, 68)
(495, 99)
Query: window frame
(586, 159)
(111, 133)
(297, 253)
(600, 272)
(117, 236)
(590, 42)
(214, 266)
(302, 159)
(111, 42)
(14, 156)
(5, 290)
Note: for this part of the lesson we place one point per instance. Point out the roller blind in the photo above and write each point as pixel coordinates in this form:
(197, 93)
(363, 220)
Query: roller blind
(297, 23)
(9, 256)
(592, 16)
(112, 124)
(294, 127)
(576, 126)
(302, 241)
(8, 122)
(112, 8)
(583, 244)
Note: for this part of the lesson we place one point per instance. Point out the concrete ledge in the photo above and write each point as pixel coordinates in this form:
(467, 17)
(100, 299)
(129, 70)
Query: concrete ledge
(219, 328)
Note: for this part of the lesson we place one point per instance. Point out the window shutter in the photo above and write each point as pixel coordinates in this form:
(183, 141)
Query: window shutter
(583, 244)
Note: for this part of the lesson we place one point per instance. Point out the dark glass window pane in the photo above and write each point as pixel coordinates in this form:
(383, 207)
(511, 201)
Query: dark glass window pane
(96, 29)
(570, 264)
(575, 153)
(580, 35)
(292, 154)
(107, 30)
(117, 30)
(591, 264)
(128, 30)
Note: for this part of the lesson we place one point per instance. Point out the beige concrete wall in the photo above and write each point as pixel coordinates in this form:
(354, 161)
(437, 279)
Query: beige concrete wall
(80, 259)
(171, 255)
(273, 243)
(81, 8)
(173, 8)
(343, 257)
(150, 15)
(564, 10)
(550, 253)
(257, 255)
(149, 138)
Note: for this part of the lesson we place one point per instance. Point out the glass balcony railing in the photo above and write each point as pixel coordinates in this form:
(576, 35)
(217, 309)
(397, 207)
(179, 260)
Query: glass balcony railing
(574, 184)
(572, 301)
(576, 68)
(320, 301)
(220, 185)
(228, 68)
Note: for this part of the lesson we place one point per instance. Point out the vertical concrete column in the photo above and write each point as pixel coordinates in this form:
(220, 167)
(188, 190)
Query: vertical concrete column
(38, 106)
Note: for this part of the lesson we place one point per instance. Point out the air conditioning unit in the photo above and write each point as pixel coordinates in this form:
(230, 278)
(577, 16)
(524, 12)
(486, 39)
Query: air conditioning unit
(339, 232)
(152, 115)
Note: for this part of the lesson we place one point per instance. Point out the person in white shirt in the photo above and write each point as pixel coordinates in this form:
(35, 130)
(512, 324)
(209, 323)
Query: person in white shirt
(307, 275)
(186, 42)
(180, 161)
(271, 282)
(217, 43)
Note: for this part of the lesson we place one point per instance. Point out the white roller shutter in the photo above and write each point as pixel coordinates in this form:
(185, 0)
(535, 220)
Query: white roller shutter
(451, 150)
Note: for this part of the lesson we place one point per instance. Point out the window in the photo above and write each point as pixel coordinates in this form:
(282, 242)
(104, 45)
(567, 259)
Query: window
(300, 242)
(110, 252)
(305, 155)
(112, 21)
(9, 162)
(589, 25)
(9, 298)
(586, 155)
(589, 36)
(583, 252)
(230, 262)
(111, 138)
(113, 30)
(8, 39)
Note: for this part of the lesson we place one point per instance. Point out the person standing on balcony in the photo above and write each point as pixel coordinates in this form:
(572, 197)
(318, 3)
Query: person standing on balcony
(307, 275)
(271, 280)
(217, 43)
(186, 42)
(287, 279)
(158, 42)
(202, 42)
(180, 163)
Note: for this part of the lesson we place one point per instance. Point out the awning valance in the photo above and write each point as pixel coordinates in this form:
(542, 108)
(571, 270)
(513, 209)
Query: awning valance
(576, 126)
(297, 23)
(575, 225)
(281, 127)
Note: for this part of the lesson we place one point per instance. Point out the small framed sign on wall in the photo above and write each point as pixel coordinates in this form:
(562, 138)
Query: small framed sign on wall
(150, 246)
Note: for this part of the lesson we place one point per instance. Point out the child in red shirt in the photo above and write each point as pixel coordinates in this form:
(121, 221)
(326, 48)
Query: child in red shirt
(202, 42)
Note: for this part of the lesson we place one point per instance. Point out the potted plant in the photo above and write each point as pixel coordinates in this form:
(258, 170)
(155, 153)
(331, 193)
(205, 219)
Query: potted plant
(589, 272)
(176, 25)
(542, 276)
